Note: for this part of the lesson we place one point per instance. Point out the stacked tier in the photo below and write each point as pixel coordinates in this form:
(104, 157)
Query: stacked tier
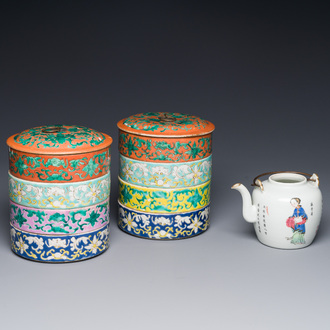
(59, 188)
(165, 173)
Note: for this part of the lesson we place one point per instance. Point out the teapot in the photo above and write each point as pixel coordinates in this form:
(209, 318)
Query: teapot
(285, 209)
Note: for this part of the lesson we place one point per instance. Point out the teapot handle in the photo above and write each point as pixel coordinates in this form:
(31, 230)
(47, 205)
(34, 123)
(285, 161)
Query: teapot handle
(258, 183)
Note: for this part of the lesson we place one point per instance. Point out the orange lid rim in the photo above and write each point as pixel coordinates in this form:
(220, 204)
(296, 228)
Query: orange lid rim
(209, 127)
(11, 143)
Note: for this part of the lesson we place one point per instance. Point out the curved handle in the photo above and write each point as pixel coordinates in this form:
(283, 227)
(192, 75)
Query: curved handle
(311, 177)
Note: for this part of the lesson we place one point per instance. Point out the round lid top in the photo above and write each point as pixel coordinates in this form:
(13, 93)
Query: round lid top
(59, 139)
(165, 124)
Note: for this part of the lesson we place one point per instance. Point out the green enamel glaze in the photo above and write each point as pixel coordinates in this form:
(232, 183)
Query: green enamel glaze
(19, 218)
(21, 167)
(130, 146)
(93, 218)
(73, 214)
(57, 217)
(75, 164)
(125, 195)
(46, 175)
(39, 214)
(55, 162)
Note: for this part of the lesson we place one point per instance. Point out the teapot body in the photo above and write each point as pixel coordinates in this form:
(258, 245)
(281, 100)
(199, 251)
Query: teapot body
(288, 211)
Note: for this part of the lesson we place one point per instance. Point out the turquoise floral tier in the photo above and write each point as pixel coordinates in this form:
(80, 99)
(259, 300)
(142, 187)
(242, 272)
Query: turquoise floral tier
(59, 196)
(163, 226)
(59, 222)
(54, 248)
(165, 175)
(168, 200)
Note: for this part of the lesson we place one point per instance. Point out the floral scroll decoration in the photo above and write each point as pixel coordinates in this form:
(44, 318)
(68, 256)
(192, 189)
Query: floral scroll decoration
(65, 195)
(164, 200)
(59, 248)
(164, 121)
(60, 222)
(165, 175)
(167, 150)
(172, 226)
(59, 169)
(59, 135)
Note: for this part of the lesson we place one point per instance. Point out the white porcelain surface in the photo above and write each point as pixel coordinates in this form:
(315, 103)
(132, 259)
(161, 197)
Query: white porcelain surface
(285, 210)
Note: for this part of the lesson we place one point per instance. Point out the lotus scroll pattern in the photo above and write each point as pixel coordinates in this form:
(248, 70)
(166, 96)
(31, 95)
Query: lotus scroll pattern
(164, 200)
(55, 196)
(59, 248)
(172, 226)
(165, 175)
(59, 222)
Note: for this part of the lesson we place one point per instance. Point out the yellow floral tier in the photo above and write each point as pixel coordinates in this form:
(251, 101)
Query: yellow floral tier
(157, 200)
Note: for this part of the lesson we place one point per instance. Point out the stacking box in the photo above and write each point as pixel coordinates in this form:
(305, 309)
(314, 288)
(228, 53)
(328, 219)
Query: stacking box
(59, 188)
(165, 173)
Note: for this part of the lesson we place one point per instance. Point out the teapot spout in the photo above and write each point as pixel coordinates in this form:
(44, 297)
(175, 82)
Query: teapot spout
(249, 210)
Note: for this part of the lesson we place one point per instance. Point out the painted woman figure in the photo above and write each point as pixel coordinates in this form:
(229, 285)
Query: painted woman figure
(297, 222)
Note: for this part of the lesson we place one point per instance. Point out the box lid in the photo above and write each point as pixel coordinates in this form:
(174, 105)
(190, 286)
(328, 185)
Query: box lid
(59, 139)
(165, 124)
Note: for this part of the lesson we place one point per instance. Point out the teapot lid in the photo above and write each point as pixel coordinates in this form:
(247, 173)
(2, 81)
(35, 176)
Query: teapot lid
(165, 124)
(59, 139)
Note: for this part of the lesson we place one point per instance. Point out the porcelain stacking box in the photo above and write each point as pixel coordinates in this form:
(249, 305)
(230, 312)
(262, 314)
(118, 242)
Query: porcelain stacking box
(285, 209)
(59, 187)
(165, 173)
